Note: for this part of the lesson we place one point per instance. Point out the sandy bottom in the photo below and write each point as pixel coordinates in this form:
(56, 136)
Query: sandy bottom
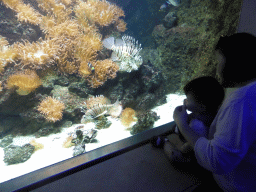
(53, 151)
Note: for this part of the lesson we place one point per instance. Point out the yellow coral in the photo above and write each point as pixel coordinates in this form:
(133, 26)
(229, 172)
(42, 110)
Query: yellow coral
(128, 116)
(51, 108)
(26, 82)
(105, 69)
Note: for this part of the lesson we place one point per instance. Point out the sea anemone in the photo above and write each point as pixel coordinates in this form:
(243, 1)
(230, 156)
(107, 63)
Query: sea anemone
(128, 116)
(51, 108)
(26, 82)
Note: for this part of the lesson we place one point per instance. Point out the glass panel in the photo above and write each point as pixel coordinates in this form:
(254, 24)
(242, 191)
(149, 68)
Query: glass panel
(80, 74)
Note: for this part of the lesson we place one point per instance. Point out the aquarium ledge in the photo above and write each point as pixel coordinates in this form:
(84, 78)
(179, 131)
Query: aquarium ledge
(67, 167)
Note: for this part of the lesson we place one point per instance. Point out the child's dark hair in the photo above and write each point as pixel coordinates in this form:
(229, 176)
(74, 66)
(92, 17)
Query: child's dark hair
(206, 91)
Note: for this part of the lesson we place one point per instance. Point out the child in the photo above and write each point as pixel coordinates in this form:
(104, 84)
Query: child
(204, 97)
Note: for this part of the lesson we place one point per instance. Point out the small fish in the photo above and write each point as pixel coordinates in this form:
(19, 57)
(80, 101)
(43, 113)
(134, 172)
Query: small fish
(91, 67)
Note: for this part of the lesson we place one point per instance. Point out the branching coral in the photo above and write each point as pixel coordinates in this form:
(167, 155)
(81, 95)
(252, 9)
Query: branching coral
(26, 82)
(128, 116)
(105, 69)
(51, 108)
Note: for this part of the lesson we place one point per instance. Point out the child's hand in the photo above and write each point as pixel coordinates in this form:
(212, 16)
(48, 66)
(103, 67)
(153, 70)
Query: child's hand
(180, 115)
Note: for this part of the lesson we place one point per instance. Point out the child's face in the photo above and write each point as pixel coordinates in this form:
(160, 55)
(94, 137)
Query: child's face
(192, 105)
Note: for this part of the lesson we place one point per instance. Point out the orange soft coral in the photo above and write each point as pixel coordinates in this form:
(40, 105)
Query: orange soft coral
(7, 53)
(104, 70)
(84, 69)
(128, 116)
(87, 46)
(100, 12)
(60, 11)
(26, 82)
(121, 25)
(51, 108)
(24, 12)
(67, 29)
(36, 55)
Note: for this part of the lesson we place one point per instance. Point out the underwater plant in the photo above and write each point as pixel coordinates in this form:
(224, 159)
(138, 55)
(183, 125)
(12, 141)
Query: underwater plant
(26, 81)
(51, 108)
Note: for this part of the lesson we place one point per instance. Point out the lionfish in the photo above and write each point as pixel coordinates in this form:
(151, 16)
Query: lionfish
(126, 52)
(99, 106)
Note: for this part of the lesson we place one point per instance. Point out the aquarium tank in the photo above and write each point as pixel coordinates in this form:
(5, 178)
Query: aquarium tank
(76, 75)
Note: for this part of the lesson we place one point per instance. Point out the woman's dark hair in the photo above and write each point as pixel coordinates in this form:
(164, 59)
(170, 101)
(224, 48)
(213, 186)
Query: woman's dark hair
(206, 91)
(240, 52)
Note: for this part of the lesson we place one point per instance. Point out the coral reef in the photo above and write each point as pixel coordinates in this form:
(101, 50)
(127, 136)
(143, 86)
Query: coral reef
(69, 42)
(104, 70)
(51, 108)
(99, 12)
(128, 116)
(146, 121)
(7, 53)
(26, 82)
(24, 12)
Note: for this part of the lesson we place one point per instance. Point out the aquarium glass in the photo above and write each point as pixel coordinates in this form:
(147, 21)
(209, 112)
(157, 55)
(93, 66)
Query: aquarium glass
(76, 75)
